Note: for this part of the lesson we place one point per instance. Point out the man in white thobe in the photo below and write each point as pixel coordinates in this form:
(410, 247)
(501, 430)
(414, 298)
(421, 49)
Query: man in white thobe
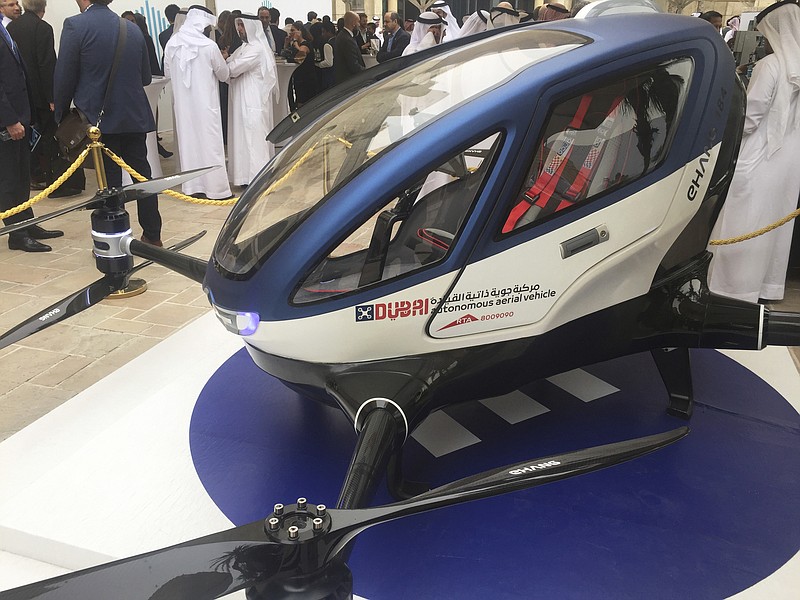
(766, 182)
(252, 84)
(502, 15)
(477, 23)
(427, 33)
(196, 66)
(452, 30)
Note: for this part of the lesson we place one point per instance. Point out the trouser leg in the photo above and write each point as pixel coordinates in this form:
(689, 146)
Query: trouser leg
(15, 178)
(132, 148)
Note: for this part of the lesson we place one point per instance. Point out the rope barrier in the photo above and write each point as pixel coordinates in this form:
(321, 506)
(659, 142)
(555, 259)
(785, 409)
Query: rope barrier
(49, 189)
(133, 173)
(139, 177)
(758, 232)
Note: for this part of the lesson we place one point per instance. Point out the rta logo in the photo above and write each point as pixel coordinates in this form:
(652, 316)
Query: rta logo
(463, 320)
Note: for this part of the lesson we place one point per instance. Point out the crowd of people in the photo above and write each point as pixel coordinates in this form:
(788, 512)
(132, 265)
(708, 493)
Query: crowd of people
(225, 86)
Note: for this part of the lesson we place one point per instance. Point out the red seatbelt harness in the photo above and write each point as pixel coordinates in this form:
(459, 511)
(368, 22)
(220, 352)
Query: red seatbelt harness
(543, 191)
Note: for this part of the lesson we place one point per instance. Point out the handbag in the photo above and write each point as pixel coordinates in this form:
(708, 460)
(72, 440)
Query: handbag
(72, 133)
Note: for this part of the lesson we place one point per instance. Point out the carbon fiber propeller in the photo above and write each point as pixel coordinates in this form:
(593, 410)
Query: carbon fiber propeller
(79, 301)
(300, 546)
(129, 193)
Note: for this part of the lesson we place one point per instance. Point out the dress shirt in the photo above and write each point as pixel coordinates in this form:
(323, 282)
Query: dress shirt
(9, 41)
(270, 39)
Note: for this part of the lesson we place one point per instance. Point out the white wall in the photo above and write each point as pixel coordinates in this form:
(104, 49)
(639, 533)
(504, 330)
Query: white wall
(153, 10)
(297, 9)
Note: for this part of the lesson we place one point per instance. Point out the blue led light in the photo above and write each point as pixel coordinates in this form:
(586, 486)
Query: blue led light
(240, 323)
(247, 322)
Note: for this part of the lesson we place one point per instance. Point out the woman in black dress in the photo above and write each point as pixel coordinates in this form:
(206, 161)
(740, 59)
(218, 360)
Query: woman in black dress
(304, 85)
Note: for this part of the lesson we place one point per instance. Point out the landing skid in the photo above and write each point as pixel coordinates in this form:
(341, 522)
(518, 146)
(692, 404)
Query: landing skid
(675, 369)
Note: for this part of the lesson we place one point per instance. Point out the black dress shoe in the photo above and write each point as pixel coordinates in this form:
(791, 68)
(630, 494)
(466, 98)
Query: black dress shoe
(26, 243)
(39, 233)
(163, 152)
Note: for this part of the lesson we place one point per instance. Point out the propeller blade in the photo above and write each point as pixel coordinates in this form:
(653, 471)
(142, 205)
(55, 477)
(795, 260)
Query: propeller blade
(349, 523)
(204, 568)
(175, 247)
(142, 189)
(188, 266)
(80, 300)
(135, 191)
(69, 306)
(244, 557)
(48, 216)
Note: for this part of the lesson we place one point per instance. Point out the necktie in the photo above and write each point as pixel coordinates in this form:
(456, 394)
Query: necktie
(9, 41)
(389, 42)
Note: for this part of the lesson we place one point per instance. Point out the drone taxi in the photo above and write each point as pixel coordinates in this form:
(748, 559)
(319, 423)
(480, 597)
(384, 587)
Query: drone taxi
(491, 213)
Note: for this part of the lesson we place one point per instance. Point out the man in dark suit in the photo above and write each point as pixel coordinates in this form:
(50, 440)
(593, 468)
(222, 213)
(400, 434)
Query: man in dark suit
(361, 35)
(170, 12)
(347, 59)
(395, 38)
(86, 56)
(34, 37)
(15, 150)
(278, 34)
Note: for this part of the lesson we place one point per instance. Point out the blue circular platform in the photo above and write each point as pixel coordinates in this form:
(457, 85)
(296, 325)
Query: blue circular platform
(704, 518)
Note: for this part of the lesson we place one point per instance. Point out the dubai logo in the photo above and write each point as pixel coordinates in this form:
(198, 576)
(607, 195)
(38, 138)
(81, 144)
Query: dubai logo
(392, 310)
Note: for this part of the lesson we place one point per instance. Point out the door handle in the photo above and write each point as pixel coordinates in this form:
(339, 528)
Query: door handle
(584, 241)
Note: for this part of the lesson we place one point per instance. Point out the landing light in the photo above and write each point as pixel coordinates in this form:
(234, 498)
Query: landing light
(240, 323)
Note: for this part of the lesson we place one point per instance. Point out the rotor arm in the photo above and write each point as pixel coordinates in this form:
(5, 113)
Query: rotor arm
(188, 266)
(378, 438)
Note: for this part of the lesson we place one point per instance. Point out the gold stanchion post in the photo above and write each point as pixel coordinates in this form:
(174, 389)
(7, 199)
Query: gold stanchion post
(97, 156)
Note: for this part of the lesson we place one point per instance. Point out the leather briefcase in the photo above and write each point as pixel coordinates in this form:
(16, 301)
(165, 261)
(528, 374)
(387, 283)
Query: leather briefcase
(72, 135)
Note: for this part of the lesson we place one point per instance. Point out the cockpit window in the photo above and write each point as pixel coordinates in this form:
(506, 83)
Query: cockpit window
(328, 153)
(414, 229)
(601, 140)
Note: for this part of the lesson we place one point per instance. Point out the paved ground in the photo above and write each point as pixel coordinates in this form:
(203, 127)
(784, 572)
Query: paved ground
(50, 367)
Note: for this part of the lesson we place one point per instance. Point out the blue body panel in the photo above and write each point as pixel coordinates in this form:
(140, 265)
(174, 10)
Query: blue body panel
(518, 109)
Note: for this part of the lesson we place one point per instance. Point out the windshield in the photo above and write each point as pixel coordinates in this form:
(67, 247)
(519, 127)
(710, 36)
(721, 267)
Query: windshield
(363, 127)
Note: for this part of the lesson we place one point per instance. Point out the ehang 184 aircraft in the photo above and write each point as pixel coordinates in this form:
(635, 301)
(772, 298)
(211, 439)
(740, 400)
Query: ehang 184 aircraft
(484, 214)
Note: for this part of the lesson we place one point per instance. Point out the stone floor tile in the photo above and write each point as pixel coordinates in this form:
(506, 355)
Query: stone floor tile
(27, 363)
(124, 326)
(160, 331)
(62, 370)
(27, 274)
(142, 302)
(17, 411)
(130, 350)
(171, 283)
(129, 313)
(173, 315)
(190, 296)
(87, 376)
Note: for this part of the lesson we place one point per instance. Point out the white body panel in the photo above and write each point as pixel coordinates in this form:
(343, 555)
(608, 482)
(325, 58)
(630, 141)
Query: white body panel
(531, 284)
(642, 228)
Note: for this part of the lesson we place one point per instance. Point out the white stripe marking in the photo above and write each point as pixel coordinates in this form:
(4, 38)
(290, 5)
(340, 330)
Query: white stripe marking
(515, 407)
(440, 434)
(582, 385)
